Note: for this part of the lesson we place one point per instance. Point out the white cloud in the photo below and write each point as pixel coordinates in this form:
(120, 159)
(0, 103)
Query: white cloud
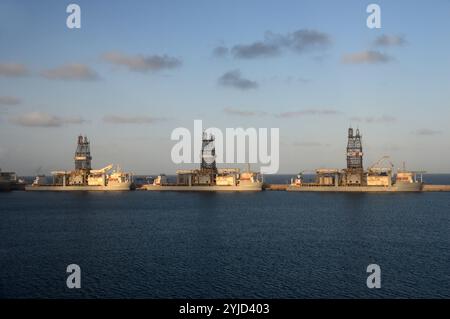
(369, 57)
(69, 72)
(40, 119)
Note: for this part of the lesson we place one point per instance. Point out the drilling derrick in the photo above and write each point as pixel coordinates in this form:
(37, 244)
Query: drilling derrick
(82, 164)
(354, 150)
(354, 172)
(208, 170)
(83, 155)
(208, 165)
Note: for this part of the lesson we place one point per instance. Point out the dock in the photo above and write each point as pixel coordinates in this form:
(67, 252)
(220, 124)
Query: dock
(275, 187)
(284, 187)
(436, 188)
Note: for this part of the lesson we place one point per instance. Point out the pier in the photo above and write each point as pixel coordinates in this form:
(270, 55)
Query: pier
(436, 188)
(275, 187)
(284, 187)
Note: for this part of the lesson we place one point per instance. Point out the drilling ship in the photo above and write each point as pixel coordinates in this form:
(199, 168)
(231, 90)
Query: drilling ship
(209, 177)
(354, 178)
(84, 178)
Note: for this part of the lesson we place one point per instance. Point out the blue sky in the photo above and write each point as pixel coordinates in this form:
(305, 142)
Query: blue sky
(139, 69)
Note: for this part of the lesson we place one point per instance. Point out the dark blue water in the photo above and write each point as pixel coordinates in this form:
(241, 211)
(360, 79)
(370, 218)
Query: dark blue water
(200, 245)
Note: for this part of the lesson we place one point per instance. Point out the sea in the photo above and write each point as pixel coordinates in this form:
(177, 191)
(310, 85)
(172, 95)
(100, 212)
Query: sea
(269, 244)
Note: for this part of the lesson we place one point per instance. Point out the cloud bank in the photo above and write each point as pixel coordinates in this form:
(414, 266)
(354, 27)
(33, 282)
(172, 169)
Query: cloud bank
(375, 119)
(390, 40)
(427, 132)
(220, 51)
(71, 72)
(273, 44)
(141, 63)
(368, 57)
(235, 80)
(307, 112)
(255, 50)
(244, 113)
(13, 69)
(40, 119)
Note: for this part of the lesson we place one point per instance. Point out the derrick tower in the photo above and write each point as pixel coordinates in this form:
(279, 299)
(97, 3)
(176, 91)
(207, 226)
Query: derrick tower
(83, 155)
(208, 165)
(354, 174)
(354, 150)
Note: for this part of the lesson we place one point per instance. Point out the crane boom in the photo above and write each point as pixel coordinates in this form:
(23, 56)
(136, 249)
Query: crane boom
(376, 167)
(102, 170)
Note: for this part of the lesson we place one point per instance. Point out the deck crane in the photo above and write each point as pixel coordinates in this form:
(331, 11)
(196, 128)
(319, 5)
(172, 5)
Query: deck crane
(375, 168)
(102, 170)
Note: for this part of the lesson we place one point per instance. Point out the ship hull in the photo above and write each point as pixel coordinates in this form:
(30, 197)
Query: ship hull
(18, 186)
(52, 188)
(5, 186)
(256, 187)
(409, 187)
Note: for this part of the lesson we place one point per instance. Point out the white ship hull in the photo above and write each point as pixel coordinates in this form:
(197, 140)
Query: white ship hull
(52, 188)
(254, 187)
(413, 187)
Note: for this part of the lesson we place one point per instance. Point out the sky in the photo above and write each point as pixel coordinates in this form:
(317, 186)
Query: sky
(136, 70)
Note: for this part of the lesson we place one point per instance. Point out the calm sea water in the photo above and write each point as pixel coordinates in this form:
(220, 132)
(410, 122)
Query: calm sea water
(218, 245)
